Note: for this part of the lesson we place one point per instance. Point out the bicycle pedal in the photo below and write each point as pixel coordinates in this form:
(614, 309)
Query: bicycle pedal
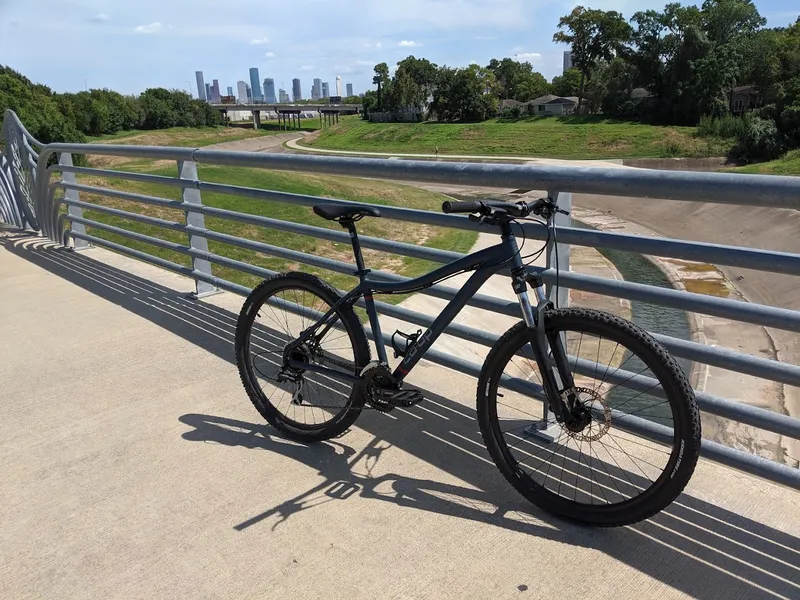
(401, 397)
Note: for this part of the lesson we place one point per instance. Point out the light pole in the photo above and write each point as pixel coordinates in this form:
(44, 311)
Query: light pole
(86, 84)
(191, 93)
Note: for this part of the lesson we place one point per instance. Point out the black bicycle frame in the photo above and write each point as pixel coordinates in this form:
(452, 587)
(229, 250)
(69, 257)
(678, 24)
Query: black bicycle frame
(484, 263)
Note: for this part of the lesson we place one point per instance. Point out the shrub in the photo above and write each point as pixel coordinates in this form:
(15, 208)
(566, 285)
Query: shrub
(726, 127)
(790, 126)
(760, 141)
(511, 112)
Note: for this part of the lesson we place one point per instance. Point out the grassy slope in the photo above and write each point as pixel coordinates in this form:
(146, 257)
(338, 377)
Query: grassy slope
(326, 186)
(786, 165)
(565, 137)
(185, 136)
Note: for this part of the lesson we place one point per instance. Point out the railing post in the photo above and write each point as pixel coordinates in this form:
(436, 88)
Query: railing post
(65, 160)
(558, 254)
(187, 170)
(16, 183)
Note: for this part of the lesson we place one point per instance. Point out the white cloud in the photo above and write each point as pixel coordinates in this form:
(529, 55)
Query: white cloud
(306, 68)
(151, 28)
(527, 56)
(456, 15)
(100, 18)
(260, 41)
(270, 54)
(408, 44)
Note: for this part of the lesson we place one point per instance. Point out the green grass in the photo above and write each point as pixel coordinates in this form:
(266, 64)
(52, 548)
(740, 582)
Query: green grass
(339, 187)
(553, 137)
(195, 136)
(789, 164)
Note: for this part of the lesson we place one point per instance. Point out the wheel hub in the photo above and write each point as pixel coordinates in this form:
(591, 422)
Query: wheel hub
(302, 354)
(591, 414)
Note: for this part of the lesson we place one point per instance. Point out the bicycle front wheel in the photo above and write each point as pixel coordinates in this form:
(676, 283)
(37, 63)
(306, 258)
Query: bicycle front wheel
(303, 404)
(637, 443)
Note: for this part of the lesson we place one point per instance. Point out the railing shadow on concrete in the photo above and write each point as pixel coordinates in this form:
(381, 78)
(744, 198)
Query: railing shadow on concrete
(693, 546)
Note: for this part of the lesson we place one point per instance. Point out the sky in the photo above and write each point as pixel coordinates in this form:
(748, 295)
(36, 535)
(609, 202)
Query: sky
(70, 45)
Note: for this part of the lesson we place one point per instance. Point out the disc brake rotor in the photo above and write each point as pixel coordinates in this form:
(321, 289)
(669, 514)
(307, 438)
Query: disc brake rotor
(599, 413)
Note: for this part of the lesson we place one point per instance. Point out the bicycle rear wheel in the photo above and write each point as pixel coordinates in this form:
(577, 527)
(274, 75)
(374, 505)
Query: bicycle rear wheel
(304, 405)
(637, 444)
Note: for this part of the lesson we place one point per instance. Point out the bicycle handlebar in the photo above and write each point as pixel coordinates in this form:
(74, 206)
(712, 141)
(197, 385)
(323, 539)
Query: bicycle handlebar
(543, 207)
(473, 206)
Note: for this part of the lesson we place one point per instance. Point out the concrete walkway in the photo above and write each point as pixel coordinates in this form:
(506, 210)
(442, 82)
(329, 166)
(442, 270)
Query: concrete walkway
(294, 144)
(134, 467)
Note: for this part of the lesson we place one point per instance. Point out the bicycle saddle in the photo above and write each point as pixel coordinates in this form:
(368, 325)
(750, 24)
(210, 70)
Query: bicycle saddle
(343, 212)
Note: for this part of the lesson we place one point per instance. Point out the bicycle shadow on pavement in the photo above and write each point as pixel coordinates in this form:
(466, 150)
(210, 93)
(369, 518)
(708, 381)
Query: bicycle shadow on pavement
(694, 546)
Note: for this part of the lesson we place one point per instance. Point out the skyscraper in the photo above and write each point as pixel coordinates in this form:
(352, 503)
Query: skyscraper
(350, 90)
(249, 94)
(283, 96)
(316, 89)
(269, 91)
(201, 86)
(215, 94)
(241, 88)
(255, 85)
(208, 92)
(338, 86)
(567, 60)
(326, 93)
(230, 91)
(297, 94)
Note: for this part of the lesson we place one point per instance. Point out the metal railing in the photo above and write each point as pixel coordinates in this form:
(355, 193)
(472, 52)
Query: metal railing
(18, 154)
(763, 191)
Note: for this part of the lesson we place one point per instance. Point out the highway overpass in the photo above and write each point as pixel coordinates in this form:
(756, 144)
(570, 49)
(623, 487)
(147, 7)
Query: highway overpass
(289, 114)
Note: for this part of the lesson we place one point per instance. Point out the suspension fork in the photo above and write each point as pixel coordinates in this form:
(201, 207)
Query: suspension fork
(553, 365)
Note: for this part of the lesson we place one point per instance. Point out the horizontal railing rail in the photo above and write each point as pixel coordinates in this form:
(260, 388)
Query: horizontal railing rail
(51, 197)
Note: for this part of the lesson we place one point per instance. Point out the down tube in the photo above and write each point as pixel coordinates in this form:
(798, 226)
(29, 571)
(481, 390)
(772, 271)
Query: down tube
(441, 322)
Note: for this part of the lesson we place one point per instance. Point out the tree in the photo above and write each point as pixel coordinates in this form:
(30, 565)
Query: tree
(726, 21)
(568, 84)
(381, 79)
(517, 80)
(370, 102)
(615, 83)
(464, 94)
(593, 35)
(423, 73)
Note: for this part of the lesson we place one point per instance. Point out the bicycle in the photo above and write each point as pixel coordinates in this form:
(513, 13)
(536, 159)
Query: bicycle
(316, 345)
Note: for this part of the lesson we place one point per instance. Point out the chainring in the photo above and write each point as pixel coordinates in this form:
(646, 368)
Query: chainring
(376, 377)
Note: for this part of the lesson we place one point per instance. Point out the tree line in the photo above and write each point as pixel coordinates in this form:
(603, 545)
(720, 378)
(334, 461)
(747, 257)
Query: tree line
(52, 117)
(685, 63)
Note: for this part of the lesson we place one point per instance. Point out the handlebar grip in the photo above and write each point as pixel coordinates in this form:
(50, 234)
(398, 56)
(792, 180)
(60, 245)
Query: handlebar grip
(462, 207)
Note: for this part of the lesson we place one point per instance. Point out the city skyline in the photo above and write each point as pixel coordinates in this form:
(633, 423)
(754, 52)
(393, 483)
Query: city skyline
(319, 89)
(165, 36)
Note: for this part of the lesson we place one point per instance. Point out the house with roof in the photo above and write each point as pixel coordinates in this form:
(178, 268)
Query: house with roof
(547, 105)
(745, 98)
(550, 104)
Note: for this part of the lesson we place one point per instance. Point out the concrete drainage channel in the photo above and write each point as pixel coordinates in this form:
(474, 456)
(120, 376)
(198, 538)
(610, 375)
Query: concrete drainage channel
(656, 319)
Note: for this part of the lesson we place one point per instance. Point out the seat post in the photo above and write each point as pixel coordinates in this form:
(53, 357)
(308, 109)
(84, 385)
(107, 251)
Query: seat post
(351, 228)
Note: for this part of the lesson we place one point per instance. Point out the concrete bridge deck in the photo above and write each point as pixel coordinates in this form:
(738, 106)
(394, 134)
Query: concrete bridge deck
(134, 467)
